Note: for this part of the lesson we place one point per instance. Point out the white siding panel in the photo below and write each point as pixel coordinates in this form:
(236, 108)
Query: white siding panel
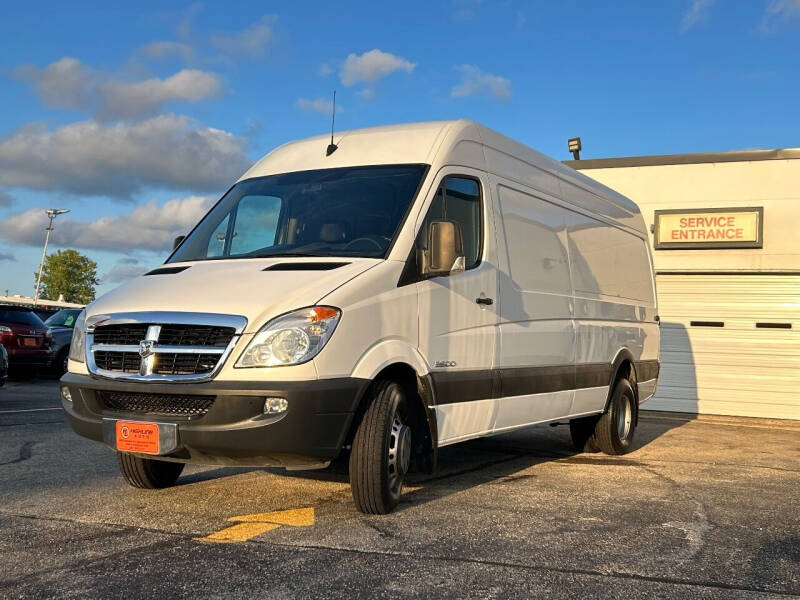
(737, 369)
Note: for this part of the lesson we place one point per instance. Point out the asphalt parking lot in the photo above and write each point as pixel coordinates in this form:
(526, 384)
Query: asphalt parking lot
(704, 507)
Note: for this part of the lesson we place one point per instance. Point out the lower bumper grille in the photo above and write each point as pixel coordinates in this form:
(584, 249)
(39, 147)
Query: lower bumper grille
(175, 405)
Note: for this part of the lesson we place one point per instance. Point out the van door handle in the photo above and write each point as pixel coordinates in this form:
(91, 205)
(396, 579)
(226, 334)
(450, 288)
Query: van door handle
(486, 301)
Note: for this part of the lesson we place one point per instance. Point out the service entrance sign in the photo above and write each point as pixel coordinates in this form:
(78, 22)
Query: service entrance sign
(705, 228)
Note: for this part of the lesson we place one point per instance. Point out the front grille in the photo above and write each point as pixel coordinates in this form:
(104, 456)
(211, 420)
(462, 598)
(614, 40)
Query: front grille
(194, 335)
(126, 362)
(156, 404)
(167, 363)
(171, 335)
(124, 335)
(175, 346)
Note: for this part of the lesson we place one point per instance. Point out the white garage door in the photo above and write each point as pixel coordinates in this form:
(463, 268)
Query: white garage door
(730, 345)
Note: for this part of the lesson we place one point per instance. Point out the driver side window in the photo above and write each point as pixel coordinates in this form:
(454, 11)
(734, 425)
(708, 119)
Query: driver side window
(458, 199)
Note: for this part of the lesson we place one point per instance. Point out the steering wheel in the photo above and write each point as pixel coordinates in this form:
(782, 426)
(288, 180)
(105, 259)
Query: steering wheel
(364, 239)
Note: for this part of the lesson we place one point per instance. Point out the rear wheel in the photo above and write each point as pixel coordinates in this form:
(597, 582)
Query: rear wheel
(614, 430)
(381, 451)
(148, 473)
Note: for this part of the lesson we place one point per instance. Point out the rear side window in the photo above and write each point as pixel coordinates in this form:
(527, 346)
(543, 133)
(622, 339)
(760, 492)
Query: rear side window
(458, 199)
(20, 317)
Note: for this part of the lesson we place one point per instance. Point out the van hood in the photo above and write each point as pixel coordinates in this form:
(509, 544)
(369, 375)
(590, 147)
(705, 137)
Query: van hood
(258, 289)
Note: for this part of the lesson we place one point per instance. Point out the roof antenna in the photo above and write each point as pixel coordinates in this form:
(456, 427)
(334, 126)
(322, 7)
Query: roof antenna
(332, 147)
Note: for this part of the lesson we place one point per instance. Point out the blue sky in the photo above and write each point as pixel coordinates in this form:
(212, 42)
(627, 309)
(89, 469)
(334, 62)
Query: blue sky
(136, 117)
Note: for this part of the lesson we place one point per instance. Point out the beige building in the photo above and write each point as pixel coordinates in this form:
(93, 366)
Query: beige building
(725, 234)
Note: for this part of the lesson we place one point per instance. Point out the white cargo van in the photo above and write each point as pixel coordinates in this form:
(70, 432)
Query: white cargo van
(411, 287)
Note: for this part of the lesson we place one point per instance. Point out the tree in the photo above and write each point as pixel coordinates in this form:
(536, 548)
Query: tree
(68, 273)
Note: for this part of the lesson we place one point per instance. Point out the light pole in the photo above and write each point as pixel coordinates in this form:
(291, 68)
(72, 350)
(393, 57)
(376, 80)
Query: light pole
(52, 213)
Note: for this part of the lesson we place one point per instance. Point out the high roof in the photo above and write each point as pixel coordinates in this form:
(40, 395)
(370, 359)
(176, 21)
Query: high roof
(436, 143)
(389, 144)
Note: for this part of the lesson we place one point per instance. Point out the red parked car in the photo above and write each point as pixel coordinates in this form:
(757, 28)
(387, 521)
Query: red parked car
(25, 337)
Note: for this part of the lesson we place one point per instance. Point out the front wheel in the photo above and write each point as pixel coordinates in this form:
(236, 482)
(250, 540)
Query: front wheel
(614, 431)
(148, 473)
(381, 453)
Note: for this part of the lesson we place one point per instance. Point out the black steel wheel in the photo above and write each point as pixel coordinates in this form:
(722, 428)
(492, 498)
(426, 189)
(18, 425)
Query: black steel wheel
(614, 430)
(381, 453)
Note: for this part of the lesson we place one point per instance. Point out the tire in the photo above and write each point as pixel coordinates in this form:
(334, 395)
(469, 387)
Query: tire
(148, 473)
(582, 433)
(614, 430)
(59, 366)
(381, 451)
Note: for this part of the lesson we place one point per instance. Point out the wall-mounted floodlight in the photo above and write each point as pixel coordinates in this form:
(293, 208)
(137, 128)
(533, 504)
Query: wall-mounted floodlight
(574, 145)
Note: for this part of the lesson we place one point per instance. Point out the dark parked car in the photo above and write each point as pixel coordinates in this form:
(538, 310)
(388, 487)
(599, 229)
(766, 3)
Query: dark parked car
(60, 325)
(3, 365)
(26, 339)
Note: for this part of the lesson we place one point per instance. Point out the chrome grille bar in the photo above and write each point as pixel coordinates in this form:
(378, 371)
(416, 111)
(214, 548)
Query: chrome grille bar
(158, 349)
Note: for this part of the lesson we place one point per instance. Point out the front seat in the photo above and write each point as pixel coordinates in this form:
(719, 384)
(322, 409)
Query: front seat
(332, 233)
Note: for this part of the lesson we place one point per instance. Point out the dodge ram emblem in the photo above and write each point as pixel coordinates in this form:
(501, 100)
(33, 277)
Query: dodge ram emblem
(146, 348)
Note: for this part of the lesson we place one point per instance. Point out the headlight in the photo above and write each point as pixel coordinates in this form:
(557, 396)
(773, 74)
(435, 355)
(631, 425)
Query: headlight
(77, 347)
(291, 339)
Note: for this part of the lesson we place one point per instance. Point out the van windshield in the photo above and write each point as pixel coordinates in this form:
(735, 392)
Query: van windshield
(350, 211)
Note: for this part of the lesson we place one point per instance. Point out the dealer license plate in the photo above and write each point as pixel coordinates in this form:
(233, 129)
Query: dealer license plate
(134, 436)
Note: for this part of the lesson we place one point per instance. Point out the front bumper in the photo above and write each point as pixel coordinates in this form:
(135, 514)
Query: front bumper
(234, 431)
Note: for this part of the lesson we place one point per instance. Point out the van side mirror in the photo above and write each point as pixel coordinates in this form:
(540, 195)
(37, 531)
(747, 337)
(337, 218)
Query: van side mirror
(445, 252)
(178, 240)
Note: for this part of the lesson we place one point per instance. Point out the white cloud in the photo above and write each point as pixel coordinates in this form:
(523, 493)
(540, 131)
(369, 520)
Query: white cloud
(65, 83)
(166, 48)
(325, 70)
(123, 270)
(5, 198)
(366, 94)
(697, 13)
(475, 82)
(148, 227)
(318, 105)
(251, 41)
(7, 256)
(68, 83)
(371, 66)
(126, 100)
(169, 151)
(779, 11)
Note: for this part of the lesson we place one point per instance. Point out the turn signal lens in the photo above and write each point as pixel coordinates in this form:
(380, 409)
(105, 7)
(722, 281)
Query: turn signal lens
(77, 348)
